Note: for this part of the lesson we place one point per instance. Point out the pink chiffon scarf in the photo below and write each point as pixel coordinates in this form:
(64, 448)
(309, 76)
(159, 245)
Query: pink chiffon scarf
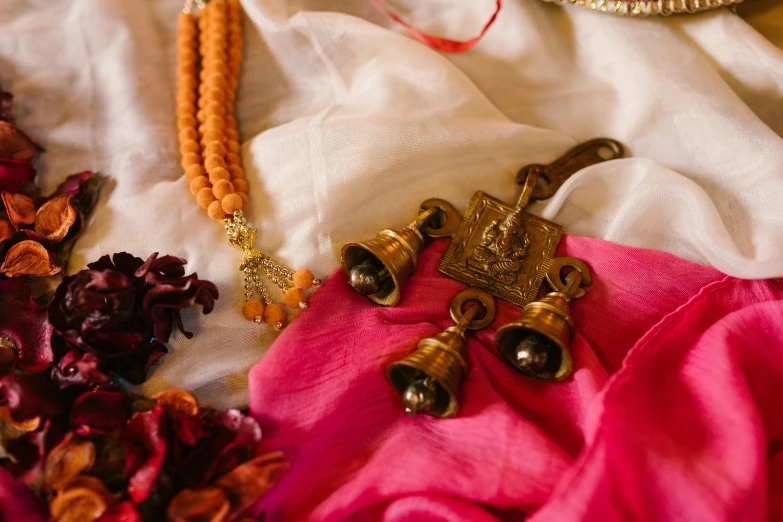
(674, 411)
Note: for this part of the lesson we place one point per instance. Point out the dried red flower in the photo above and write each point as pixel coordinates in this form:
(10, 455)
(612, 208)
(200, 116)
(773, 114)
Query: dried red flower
(99, 412)
(204, 505)
(123, 309)
(77, 368)
(28, 396)
(6, 230)
(25, 326)
(120, 512)
(15, 175)
(144, 440)
(249, 481)
(73, 186)
(18, 501)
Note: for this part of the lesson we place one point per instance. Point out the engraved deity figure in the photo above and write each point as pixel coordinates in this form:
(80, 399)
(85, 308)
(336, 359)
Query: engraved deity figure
(503, 249)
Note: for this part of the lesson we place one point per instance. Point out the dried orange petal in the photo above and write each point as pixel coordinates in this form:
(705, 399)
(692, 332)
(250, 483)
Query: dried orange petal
(15, 144)
(29, 258)
(25, 425)
(6, 230)
(55, 218)
(176, 399)
(20, 208)
(249, 481)
(77, 505)
(202, 505)
(68, 459)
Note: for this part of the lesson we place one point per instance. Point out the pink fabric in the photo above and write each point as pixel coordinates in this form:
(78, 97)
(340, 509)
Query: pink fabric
(675, 411)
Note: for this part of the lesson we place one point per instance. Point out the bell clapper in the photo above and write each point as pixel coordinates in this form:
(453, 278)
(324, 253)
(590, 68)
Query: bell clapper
(367, 277)
(419, 396)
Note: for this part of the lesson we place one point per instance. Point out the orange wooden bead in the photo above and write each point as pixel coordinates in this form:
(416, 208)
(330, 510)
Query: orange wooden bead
(215, 211)
(231, 122)
(213, 135)
(235, 54)
(202, 89)
(202, 76)
(245, 201)
(215, 81)
(202, 129)
(233, 83)
(293, 297)
(205, 197)
(236, 172)
(215, 122)
(274, 314)
(191, 158)
(189, 146)
(188, 81)
(185, 109)
(222, 188)
(217, 174)
(186, 121)
(216, 109)
(233, 159)
(232, 146)
(303, 278)
(201, 116)
(213, 161)
(240, 185)
(184, 69)
(188, 133)
(231, 203)
(194, 171)
(199, 183)
(215, 147)
(186, 97)
(252, 309)
(216, 95)
(231, 134)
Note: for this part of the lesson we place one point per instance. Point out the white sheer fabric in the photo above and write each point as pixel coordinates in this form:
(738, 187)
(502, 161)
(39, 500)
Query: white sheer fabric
(348, 125)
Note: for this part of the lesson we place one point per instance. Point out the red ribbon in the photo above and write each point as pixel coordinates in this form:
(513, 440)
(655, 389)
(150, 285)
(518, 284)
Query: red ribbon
(436, 42)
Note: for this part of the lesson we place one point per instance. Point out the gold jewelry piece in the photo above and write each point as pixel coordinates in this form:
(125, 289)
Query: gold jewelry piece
(209, 58)
(428, 380)
(648, 7)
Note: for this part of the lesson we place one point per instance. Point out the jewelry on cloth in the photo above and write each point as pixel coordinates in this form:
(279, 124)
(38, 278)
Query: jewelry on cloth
(209, 58)
(428, 380)
(502, 250)
(648, 7)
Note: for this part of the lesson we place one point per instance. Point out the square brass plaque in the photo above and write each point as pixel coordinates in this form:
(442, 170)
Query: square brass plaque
(502, 250)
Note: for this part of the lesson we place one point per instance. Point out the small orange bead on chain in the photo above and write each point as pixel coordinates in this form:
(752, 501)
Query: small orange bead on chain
(209, 59)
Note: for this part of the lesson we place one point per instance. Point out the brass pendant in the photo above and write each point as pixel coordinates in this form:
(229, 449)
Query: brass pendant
(506, 250)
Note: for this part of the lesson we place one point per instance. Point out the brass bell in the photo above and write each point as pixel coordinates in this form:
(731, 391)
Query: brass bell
(379, 268)
(537, 344)
(428, 380)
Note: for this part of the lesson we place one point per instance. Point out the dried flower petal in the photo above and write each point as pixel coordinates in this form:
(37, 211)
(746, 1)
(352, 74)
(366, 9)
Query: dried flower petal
(28, 396)
(144, 440)
(99, 412)
(15, 175)
(8, 357)
(24, 425)
(18, 501)
(78, 505)
(71, 457)
(55, 218)
(73, 185)
(6, 230)
(20, 209)
(25, 326)
(29, 258)
(76, 368)
(15, 144)
(178, 400)
(121, 512)
(249, 481)
(203, 505)
(27, 452)
(6, 106)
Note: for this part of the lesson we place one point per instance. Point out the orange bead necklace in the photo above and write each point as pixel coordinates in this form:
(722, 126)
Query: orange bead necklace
(209, 59)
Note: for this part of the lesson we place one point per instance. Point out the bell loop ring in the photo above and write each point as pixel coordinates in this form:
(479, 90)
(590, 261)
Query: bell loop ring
(570, 287)
(443, 222)
(463, 305)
